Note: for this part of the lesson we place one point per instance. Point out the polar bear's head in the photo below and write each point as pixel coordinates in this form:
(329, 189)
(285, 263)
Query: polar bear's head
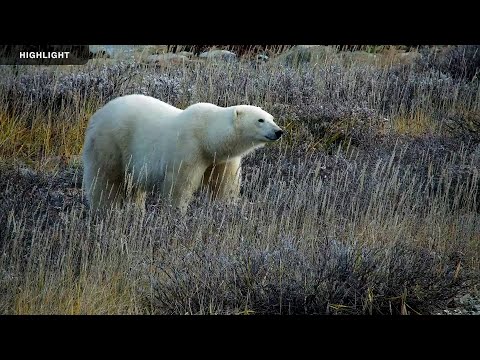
(255, 124)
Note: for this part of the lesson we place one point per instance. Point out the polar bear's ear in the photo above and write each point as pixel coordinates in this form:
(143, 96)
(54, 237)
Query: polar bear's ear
(236, 113)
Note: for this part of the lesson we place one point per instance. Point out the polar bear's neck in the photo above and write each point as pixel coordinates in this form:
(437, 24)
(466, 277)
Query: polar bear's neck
(227, 145)
(224, 141)
(215, 130)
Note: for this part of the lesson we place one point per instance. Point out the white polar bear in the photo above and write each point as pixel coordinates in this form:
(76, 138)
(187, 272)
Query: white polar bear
(157, 146)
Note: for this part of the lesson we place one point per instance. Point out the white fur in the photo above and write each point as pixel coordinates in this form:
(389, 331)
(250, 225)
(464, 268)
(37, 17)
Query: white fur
(175, 151)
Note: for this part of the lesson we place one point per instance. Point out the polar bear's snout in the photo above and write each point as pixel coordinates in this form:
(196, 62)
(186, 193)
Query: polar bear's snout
(277, 134)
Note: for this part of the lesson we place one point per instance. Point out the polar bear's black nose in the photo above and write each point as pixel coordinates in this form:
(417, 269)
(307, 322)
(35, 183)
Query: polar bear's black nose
(279, 133)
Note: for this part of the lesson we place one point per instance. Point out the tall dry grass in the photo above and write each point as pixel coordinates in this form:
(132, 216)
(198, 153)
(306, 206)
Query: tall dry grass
(369, 206)
(360, 238)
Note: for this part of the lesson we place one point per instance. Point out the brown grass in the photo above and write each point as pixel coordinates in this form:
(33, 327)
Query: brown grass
(37, 137)
(416, 124)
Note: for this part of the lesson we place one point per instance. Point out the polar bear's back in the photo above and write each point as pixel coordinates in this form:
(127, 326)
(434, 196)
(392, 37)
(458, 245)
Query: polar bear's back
(136, 108)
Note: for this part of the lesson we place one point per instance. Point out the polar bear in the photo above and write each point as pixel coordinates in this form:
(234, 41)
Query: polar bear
(151, 145)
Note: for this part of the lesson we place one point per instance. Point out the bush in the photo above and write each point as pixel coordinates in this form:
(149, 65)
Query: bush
(459, 62)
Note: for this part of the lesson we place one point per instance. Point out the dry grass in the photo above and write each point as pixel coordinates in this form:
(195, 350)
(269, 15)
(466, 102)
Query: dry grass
(41, 137)
(369, 206)
(351, 239)
(418, 124)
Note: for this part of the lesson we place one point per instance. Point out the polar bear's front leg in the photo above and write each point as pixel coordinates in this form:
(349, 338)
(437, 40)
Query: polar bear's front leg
(183, 184)
(223, 180)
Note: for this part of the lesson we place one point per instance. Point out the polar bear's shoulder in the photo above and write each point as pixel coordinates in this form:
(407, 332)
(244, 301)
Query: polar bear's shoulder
(203, 106)
(139, 100)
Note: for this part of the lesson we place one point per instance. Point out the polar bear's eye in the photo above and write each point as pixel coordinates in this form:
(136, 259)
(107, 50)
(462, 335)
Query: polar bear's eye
(261, 120)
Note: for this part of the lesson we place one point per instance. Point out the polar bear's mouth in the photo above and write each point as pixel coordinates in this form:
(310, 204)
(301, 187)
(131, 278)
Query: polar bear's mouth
(271, 139)
(276, 136)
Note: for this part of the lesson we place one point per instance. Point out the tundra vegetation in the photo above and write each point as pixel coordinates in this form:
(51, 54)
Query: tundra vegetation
(369, 205)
